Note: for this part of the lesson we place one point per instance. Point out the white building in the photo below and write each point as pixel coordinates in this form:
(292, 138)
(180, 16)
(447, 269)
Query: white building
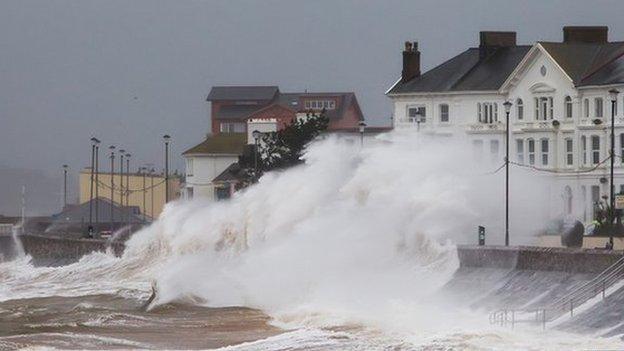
(561, 114)
(207, 160)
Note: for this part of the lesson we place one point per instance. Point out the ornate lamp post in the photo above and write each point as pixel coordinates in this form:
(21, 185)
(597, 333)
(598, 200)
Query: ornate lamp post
(613, 95)
(507, 105)
(362, 128)
(166, 139)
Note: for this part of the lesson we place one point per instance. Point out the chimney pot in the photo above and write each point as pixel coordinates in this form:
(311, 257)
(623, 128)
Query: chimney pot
(411, 61)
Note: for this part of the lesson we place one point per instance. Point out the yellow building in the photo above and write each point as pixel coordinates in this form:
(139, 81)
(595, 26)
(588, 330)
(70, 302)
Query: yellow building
(147, 191)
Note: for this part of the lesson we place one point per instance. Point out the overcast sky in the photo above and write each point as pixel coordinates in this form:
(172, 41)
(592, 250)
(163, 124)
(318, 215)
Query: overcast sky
(130, 71)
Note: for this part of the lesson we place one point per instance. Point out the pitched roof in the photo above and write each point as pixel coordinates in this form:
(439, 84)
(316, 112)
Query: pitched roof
(466, 72)
(589, 63)
(80, 213)
(225, 144)
(242, 93)
(237, 112)
(232, 173)
(293, 101)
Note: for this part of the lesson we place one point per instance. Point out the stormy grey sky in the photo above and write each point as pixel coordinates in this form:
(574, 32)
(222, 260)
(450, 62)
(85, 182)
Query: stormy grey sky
(130, 71)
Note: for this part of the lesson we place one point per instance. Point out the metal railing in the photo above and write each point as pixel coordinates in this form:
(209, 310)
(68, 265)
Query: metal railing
(580, 295)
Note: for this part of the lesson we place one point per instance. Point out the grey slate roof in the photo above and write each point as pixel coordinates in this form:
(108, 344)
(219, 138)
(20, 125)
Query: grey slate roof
(233, 173)
(242, 93)
(80, 213)
(467, 71)
(589, 63)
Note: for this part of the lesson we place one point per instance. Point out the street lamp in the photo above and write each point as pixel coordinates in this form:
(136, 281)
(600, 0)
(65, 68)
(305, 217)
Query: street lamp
(166, 138)
(362, 127)
(122, 153)
(64, 186)
(97, 184)
(507, 105)
(143, 171)
(93, 143)
(112, 186)
(256, 134)
(127, 187)
(613, 95)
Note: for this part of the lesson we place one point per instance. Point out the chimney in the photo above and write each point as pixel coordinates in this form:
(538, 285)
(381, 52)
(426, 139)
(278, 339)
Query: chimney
(411, 61)
(490, 41)
(583, 34)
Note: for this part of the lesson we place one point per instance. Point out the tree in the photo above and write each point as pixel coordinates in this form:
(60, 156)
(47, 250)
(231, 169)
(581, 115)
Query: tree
(284, 148)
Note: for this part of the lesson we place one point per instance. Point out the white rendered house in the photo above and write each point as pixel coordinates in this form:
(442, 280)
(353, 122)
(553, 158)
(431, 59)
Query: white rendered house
(561, 114)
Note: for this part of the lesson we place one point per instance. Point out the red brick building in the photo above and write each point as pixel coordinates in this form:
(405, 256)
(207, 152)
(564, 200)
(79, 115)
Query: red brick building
(233, 106)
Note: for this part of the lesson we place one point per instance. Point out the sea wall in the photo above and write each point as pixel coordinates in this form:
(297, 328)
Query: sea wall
(538, 258)
(50, 250)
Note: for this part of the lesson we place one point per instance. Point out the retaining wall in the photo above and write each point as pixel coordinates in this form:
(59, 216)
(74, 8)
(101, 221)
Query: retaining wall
(538, 258)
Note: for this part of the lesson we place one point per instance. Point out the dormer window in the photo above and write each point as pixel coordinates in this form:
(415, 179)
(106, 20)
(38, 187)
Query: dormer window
(320, 104)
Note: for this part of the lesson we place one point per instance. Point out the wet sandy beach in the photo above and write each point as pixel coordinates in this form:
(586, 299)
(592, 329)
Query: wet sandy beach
(114, 322)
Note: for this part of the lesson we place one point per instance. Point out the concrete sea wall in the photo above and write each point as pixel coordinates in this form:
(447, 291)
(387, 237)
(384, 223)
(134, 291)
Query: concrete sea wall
(50, 250)
(538, 258)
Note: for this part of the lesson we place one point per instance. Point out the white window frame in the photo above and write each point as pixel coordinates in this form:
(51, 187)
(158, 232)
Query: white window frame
(595, 149)
(569, 150)
(586, 108)
(599, 107)
(423, 117)
(544, 150)
(443, 114)
(519, 109)
(531, 151)
(584, 150)
(520, 150)
(568, 108)
(189, 167)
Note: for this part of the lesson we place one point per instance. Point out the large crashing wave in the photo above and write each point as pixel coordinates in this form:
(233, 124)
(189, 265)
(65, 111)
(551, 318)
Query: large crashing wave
(355, 235)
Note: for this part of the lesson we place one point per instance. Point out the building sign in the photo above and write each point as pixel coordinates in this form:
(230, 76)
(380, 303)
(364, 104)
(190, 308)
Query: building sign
(619, 202)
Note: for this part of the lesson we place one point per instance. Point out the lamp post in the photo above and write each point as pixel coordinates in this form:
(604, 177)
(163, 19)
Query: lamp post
(127, 188)
(93, 143)
(143, 171)
(362, 128)
(97, 182)
(613, 95)
(166, 138)
(122, 153)
(256, 134)
(112, 186)
(507, 105)
(64, 186)
(152, 193)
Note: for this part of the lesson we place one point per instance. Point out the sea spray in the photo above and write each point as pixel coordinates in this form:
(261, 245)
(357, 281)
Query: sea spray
(353, 236)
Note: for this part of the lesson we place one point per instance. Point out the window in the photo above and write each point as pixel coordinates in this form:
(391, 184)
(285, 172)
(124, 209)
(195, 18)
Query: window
(531, 147)
(189, 193)
(417, 114)
(598, 107)
(222, 193)
(586, 107)
(544, 147)
(488, 112)
(493, 150)
(232, 127)
(520, 109)
(320, 104)
(544, 108)
(569, 145)
(584, 150)
(568, 107)
(567, 196)
(595, 147)
(189, 167)
(477, 149)
(622, 147)
(444, 113)
(520, 150)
